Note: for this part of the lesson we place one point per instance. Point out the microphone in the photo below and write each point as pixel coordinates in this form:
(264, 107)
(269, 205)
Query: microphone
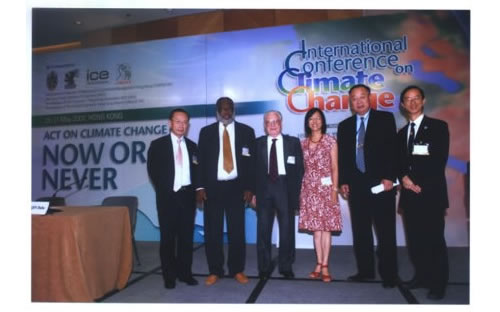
(69, 186)
(54, 201)
(76, 191)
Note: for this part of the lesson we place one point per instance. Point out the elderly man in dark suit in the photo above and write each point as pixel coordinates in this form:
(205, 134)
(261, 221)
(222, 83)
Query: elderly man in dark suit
(279, 167)
(173, 169)
(227, 182)
(423, 153)
(367, 158)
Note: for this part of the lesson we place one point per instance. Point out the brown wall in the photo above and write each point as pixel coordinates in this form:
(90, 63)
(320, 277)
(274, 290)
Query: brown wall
(207, 22)
(211, 22)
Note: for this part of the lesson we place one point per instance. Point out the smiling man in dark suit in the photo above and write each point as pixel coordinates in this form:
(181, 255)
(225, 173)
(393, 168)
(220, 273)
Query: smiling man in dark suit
(173, 170)
(227, 182)
(367, 157)
(423, 153)
(279, 167)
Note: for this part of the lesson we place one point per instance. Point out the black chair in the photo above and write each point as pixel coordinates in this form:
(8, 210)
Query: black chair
(132, 202)
(53, 201)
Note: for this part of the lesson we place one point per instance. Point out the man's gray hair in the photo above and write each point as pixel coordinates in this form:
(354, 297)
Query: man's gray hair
(273, 111)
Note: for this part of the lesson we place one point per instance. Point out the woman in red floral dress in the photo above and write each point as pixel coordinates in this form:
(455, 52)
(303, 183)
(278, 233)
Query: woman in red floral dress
(319, 204)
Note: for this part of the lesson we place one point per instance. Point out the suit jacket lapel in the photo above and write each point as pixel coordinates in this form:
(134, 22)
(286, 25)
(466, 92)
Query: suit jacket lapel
(190, 151)
(237, 143)
(216, 142)
(404, 139)
(372, 123)
(170, 154)
(264, 153)
(421, 134)
(286, 148)
(352, 132)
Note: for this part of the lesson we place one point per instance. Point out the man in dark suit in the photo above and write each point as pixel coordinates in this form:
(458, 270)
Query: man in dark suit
(227, 182)
(173, 170)
(423, 153)
(367, 158)
(280, 167)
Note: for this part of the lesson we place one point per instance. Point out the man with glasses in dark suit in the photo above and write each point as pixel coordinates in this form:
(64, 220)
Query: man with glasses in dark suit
(367, 158)
(423, 152)
(279, 169)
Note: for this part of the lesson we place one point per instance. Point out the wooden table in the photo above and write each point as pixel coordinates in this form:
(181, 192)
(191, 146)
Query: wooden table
(80, 253)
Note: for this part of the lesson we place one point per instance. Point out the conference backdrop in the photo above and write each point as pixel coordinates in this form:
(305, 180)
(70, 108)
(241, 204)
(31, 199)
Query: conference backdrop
(95, 111)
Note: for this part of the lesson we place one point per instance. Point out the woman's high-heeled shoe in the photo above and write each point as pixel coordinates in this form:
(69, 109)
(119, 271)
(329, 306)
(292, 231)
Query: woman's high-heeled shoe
(327, 278)
(314, 274)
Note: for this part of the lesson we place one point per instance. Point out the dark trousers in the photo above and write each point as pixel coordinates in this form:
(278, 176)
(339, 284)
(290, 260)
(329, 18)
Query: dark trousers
(225, 197)
(275, 202)
(427, 248)
(379, 211)
(176, 234)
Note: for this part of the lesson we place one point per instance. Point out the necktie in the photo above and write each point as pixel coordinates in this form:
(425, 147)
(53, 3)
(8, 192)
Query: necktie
(360, 153)
(411, 138)
(178, 156)
(178, 162)
(273, 162)
(226, 150)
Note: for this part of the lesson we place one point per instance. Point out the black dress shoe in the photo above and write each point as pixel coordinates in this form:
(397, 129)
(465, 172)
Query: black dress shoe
(264, 276)
(414, 284)
(435, 294)
(189, 280)
(287, 274)
(389, 283)
(360, 277)
(170, 284)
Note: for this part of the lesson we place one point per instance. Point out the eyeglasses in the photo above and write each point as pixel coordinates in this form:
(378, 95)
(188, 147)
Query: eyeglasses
(409, 99)
(273, 122)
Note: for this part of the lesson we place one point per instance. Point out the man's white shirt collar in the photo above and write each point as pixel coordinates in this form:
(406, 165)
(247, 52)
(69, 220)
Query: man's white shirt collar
(270, 138)
(365, 117)
(417, 123)
(229, 127)
(176, 139)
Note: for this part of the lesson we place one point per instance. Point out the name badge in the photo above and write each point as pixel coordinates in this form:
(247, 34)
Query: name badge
(326, 181)
(245, 152)
(195, 160)
(39, 207)
(421, 150)
(291, 160)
